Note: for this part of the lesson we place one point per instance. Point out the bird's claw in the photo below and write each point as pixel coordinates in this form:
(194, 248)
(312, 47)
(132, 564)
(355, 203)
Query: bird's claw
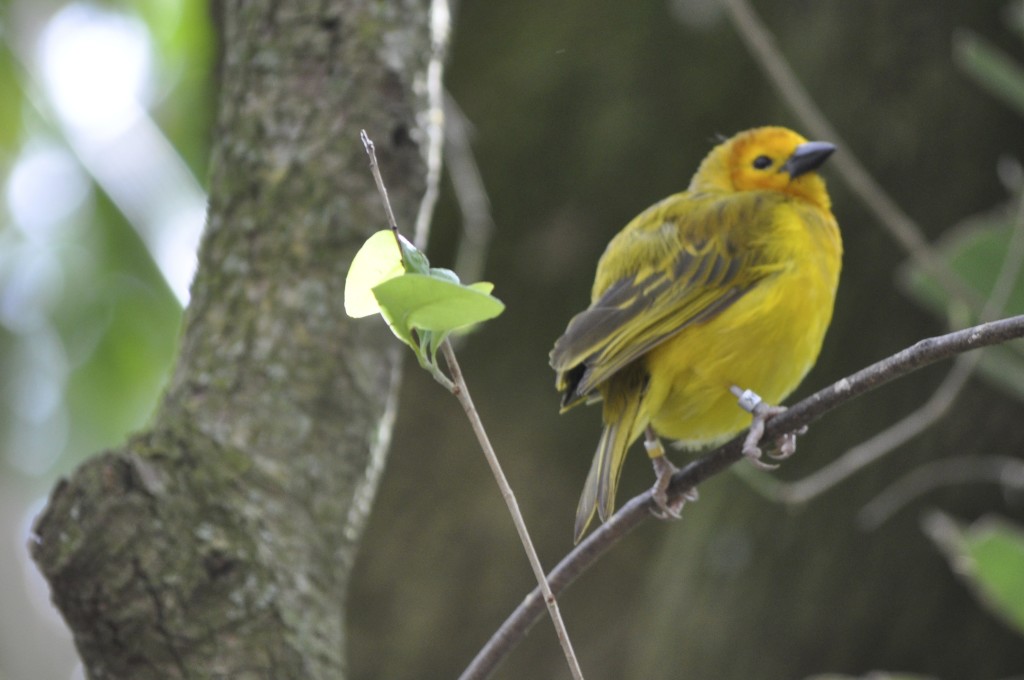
(664, 469)
(785, 445)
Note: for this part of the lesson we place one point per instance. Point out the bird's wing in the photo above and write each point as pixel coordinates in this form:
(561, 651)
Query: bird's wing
(681, 262)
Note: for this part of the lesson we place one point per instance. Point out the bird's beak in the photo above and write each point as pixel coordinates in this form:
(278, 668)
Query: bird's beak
(808, 156)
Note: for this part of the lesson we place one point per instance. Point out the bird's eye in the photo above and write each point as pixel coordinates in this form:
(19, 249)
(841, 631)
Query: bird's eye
(762, 162)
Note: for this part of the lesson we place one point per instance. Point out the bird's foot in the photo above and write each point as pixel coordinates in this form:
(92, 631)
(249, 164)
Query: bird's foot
(785, 444)
(664, 469)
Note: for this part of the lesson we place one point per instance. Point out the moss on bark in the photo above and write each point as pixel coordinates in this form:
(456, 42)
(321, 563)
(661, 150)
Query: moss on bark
(219, 542)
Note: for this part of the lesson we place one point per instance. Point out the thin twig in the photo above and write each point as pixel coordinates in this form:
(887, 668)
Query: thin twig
(638, 509)
(900, 226)
(928, 414)
(461, 393)
(457, 386)
(371, 151)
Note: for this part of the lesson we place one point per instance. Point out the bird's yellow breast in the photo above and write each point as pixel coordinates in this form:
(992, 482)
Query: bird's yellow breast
(766, 341)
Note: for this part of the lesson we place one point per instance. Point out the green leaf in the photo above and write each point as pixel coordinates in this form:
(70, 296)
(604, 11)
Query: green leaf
(990, 68)
(396, 321)
(444, 274)
(433, 304)
(415, 261)
(421, 304)
(989, 555)
(435, 343)
(975, 250)
(377, 261)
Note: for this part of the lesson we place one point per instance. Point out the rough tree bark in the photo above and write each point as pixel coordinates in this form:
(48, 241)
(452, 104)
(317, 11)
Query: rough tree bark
(218, 542)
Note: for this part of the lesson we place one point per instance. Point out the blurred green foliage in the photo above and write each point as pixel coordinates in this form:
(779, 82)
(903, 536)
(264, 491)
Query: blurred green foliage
(989, 556)
(88, 323)
(976, 250)
(980, 247)
(111, 316)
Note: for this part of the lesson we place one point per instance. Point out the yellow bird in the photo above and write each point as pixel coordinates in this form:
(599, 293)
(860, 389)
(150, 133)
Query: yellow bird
(721, 291)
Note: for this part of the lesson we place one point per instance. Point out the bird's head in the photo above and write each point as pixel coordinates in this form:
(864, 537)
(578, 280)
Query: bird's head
(768, 159)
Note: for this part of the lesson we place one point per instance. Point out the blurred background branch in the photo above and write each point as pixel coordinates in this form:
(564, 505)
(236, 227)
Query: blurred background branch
(899, 225)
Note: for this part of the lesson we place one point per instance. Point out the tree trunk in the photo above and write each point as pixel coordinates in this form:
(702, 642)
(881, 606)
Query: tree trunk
(218, 543)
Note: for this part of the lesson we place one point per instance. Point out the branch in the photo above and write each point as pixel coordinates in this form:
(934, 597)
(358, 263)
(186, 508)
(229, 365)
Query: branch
(926, 415)
(867, 452)
(461, 392)
(458, 387)
(637, 510)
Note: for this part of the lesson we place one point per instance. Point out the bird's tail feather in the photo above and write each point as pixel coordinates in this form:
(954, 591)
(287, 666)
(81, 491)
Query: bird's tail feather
(603, 479)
